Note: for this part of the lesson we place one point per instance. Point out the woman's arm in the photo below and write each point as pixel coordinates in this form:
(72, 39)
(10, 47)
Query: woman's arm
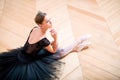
(54, 45)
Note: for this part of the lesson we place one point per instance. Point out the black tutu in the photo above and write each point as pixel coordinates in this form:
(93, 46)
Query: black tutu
(16, 66)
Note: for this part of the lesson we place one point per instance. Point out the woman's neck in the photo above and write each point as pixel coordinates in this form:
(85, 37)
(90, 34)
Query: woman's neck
(43, 31)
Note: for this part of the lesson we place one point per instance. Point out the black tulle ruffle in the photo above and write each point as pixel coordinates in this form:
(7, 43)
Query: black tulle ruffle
(15, 67)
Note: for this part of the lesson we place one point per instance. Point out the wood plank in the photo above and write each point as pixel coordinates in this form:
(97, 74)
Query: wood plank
(95, 73)
(11, 39)
(74, 75)
(101, 64)
(111, 11)
(23, 13)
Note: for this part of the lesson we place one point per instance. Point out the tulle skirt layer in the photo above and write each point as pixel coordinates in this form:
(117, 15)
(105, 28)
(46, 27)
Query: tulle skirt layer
(14, 68)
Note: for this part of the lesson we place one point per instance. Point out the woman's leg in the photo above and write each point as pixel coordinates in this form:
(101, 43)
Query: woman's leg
(77, 45)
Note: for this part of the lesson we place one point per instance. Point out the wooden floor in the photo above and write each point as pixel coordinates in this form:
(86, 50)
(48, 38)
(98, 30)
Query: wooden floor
(78, 17)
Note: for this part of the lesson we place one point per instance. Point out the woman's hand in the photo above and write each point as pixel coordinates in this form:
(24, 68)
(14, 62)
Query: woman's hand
(53, 33)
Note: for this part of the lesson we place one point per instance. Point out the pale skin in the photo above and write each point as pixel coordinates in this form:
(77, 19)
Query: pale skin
(38, 33)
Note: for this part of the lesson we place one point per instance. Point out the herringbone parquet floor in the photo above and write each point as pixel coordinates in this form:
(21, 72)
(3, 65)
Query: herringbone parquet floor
(71, 18)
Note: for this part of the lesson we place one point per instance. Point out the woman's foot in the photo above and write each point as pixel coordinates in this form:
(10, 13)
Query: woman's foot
(82, 46)
(83, 38)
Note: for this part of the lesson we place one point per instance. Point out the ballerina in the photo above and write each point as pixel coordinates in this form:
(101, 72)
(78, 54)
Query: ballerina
(38, 59)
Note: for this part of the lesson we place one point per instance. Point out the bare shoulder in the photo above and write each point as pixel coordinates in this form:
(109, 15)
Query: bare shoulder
(35, 36)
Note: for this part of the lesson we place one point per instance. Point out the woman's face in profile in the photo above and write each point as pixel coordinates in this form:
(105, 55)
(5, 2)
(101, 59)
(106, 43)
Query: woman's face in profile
(47, 22)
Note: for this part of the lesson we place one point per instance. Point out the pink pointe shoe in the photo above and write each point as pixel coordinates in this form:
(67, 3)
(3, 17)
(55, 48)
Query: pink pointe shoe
(83, 38)
(82, 46)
